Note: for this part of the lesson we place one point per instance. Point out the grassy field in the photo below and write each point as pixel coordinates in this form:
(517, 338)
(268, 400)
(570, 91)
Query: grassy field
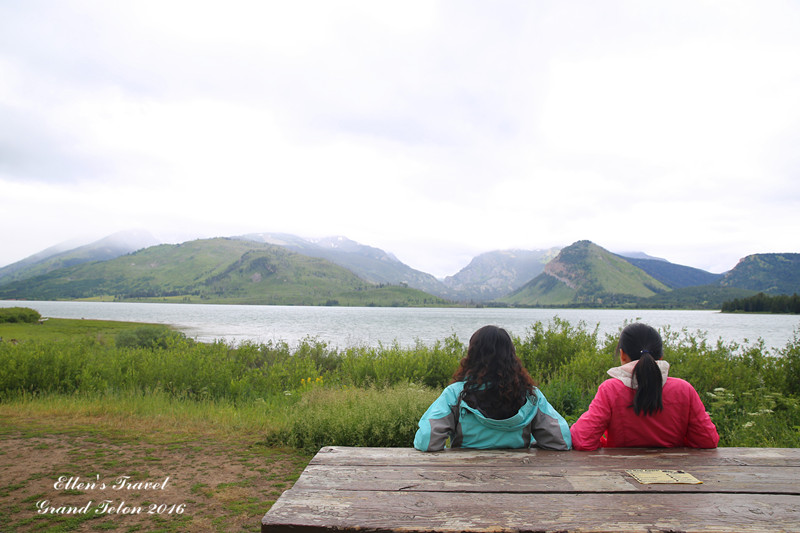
(104, 331)
(233, 426)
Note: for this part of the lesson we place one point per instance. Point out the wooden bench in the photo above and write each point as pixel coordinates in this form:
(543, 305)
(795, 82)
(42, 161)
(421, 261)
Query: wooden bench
(401, 489)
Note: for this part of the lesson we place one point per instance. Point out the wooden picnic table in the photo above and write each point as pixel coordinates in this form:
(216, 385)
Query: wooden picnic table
(402, 489)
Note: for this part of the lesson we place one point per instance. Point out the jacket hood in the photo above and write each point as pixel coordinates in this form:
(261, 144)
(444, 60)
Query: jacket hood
(624, 373)
(521, 419)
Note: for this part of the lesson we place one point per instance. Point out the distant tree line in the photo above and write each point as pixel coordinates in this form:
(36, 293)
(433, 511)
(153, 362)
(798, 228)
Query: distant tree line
(761, 303)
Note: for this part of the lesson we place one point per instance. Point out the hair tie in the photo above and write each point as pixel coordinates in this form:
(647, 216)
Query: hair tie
(644, 351)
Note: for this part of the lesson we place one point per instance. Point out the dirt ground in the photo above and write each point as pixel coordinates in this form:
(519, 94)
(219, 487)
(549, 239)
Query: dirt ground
(57, 475)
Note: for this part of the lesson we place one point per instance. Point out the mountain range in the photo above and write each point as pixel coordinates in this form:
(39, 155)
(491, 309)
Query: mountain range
(371, 264)
(66, 254)
(220, 270)
(584, 274)
(278, 268)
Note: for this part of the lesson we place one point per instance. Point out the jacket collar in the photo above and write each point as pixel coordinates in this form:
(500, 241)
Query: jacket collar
(519, 420)
(624, 373)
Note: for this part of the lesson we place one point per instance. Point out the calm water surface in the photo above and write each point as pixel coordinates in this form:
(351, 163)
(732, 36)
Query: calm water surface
(355, 326)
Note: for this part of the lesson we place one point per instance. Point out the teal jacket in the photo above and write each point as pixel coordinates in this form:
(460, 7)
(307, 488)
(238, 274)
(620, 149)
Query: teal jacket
(535, 424)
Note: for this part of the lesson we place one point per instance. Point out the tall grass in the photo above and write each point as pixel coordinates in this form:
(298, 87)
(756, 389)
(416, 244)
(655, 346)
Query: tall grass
(352, 416)
(313, 394)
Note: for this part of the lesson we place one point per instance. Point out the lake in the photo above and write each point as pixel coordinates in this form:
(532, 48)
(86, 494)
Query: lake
(355, 326)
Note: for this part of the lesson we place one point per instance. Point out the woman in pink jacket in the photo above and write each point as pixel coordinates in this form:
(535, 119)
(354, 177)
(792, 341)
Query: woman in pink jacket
(640, 406)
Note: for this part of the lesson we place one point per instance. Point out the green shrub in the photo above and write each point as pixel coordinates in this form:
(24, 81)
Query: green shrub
(149, 336)
(431, 366)
(568, 397)
(19, 314)
(355, 417)
(755, 418)
(43, 367)
(367, 396)
(545, 349)
(571, 388)
(790, 365)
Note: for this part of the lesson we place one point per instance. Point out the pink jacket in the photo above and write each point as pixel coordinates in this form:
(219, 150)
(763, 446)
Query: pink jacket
(610, 422)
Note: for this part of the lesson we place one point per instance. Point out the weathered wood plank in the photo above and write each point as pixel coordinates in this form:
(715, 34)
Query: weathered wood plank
(317, 511)
(608, 457)
(535, 478)
(401, 489)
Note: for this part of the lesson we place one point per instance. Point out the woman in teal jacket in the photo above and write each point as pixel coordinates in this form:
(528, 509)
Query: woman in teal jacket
(492, 403)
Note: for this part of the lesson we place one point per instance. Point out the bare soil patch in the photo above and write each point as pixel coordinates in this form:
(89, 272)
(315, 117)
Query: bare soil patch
(57, 475)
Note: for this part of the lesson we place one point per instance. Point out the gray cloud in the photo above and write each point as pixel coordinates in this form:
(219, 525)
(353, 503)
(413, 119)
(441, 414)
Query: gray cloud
(524, 122)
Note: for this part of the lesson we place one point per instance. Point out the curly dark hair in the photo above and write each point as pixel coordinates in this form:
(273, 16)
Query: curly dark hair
(495, 382)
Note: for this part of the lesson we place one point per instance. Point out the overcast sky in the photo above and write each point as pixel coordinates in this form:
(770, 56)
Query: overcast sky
(433, 130)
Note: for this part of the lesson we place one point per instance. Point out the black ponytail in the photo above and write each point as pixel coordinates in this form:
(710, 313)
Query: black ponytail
(647, 400)
(643, 343)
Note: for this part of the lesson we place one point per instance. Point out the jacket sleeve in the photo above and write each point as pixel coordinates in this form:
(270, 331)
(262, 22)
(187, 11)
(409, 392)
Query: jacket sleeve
(701, 431)
(549, 429)
(587, 432)
(438, 423)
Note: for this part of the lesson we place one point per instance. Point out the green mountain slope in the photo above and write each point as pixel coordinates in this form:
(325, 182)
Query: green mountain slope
(367, 262)
(767, 273)
(215, 271)
(672, 275)
(695, 297)
(586, 274)
(60, 256)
